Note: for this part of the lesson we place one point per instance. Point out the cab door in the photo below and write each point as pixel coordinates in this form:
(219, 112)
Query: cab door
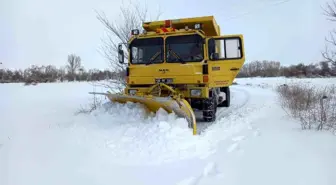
(225, 59)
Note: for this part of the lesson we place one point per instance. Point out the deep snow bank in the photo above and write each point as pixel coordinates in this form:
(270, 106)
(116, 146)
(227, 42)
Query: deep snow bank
(132, 136)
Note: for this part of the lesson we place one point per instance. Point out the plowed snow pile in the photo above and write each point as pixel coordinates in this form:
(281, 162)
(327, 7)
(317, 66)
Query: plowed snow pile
(132, 137)
(43, 141)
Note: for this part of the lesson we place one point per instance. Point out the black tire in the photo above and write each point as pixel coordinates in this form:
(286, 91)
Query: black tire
(227, 101)
(210, 108)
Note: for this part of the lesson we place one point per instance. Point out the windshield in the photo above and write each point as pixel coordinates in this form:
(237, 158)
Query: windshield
(186, 48)
(146, 51)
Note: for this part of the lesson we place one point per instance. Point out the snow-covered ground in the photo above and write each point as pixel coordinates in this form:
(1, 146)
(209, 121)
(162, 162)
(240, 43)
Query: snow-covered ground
(253, 142)
(275, 81)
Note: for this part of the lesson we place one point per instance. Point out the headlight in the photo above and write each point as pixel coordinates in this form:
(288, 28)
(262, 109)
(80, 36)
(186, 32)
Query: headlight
(135, 32)
(197, 26)
(132, 91)
(195, 92)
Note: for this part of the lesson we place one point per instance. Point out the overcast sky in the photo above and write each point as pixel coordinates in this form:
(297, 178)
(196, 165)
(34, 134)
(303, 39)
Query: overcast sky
(45, 32)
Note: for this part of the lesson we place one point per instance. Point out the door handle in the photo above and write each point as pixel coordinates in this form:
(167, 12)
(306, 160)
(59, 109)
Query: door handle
(234, 69)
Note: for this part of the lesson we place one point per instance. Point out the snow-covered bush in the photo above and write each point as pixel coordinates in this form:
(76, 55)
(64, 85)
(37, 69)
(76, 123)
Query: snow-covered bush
(314, 107)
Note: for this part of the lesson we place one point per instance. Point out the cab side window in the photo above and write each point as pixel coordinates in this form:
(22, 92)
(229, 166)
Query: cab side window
(228, 48)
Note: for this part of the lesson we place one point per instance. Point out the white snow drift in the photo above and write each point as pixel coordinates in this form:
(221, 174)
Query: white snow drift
(42, 141)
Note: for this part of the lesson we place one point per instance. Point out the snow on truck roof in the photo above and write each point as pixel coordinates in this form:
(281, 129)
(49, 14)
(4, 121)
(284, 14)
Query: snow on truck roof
(209, 25)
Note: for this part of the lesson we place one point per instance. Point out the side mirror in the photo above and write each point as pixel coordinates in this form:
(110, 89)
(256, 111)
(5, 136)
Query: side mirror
(120, 54)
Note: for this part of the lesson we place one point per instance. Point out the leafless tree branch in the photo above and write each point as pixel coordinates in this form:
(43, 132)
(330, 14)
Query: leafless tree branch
(132, 15)
(330, 11)
(329, 54)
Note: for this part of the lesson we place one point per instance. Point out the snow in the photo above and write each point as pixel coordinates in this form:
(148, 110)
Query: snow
(272, 82)
(43, 141)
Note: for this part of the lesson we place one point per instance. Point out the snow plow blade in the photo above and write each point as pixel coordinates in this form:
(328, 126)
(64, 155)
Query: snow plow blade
(180, 107)
(170, 104)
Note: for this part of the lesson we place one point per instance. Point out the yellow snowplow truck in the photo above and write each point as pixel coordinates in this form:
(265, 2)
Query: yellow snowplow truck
(181, 65)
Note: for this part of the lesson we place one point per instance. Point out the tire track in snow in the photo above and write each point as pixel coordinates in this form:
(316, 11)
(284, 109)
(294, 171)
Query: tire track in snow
(210, 170)
(223, 111)
(236, 143)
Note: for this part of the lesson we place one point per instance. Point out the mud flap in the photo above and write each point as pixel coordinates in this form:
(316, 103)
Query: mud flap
(180, 107)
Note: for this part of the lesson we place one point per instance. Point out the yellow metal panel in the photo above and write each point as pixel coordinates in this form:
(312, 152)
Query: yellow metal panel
(209, 25)
(141, 91)
(223, 72)
(181, 73)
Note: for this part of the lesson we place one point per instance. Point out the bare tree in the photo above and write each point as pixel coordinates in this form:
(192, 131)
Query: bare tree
(330, 49)
(131, 17)
(61, 74)
(74, 64)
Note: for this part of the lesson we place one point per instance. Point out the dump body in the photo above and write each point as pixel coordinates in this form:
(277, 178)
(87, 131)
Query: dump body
(209, 25)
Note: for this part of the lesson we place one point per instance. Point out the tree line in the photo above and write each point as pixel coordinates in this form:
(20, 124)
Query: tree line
(274, 69)
(72, 71)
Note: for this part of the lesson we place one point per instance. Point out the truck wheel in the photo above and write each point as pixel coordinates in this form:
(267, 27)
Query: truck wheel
(227, 102)
(210, 108)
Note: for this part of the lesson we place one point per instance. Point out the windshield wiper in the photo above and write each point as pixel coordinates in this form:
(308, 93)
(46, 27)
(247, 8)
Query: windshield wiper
(153, 58)
(177, 56)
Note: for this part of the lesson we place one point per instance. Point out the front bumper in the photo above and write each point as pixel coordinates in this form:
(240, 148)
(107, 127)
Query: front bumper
(186, 91)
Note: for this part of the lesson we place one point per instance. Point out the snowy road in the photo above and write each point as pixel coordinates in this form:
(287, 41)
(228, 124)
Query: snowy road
(239, 98)
(253, 142)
